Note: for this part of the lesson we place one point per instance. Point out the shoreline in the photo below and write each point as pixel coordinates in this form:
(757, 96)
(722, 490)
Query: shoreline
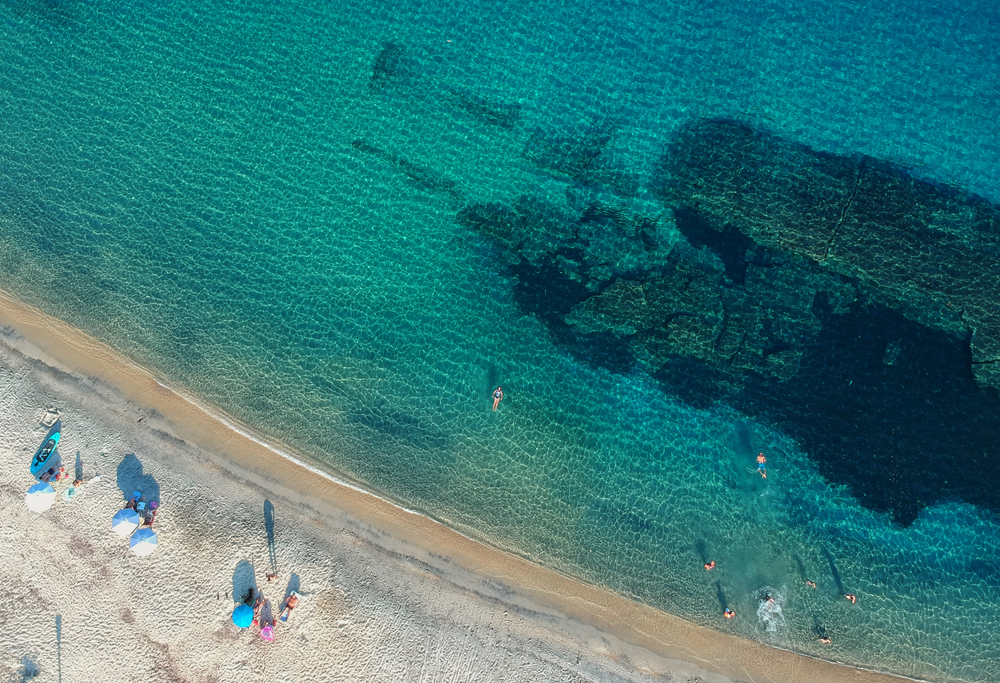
(245, 456)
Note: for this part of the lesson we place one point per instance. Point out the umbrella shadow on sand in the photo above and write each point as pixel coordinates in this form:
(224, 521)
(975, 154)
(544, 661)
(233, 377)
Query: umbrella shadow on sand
(29, 669)
(131, 478)
(244, 583)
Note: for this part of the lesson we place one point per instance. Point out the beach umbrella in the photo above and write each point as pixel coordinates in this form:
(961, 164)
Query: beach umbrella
(243, 615)
(143, 542)
(40, 497)
(125, 522)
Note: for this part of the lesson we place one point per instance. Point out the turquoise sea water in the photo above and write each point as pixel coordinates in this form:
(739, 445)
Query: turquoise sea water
(224, 192)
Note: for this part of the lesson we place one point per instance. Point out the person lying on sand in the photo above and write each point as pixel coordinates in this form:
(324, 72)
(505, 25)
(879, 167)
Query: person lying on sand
(154, 507)
(74, 490)
(262, 612)
(53, 473)
(290, 604)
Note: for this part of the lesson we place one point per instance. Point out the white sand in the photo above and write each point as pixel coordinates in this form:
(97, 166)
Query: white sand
(388, 595)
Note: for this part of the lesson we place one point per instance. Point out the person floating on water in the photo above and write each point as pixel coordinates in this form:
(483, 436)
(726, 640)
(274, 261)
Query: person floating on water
(851, 597)
(709, 566)
(825, 640)
(762, 465)
(497, 397)
(811, 584)
(728, 613)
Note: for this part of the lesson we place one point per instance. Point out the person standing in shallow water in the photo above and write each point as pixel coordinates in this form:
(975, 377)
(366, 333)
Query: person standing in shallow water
(497, 397)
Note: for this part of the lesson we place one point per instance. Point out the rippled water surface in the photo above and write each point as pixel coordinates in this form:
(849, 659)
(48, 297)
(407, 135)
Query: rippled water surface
(259, 200)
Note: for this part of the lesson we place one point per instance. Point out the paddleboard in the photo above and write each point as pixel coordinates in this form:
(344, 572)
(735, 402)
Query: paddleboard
(46, 456)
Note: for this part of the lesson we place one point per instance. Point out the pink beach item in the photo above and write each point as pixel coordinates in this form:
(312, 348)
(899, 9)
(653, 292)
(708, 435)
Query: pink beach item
(267, 633)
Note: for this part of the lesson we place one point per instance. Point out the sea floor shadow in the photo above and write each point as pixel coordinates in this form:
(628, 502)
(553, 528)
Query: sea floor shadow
(721, 596)
(818, 628)
(833, 571)
(492, 376)
(702, 549)
(802, 568)
(744, 439)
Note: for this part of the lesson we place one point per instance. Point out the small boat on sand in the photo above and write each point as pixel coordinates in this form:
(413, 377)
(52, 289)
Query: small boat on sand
(46, 455)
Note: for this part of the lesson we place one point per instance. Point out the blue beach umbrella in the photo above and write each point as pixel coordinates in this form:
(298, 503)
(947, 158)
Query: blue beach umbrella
(143, 542)
(40, 497)
(125, 522)
(243, 615)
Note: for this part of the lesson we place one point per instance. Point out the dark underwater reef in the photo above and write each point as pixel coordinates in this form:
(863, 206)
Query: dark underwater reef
(838, 298)
(929, 251)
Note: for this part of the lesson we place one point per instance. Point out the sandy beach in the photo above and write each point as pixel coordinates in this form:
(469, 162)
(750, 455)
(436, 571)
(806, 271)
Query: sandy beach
(387, 594)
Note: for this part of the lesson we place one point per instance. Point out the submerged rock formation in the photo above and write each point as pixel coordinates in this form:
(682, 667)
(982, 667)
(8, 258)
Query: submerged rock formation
(409, 74)
(626, 274)
(425, 178)
(849, 304)
(929, 251)
(391, 65)
(486, 110)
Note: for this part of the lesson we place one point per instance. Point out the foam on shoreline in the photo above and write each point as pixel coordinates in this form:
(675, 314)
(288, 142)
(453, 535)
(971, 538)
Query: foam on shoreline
(244, 454)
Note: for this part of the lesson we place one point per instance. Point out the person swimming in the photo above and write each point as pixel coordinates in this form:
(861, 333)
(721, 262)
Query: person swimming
(762, 465)
(497, 397)
(728, 613)
(709, 566)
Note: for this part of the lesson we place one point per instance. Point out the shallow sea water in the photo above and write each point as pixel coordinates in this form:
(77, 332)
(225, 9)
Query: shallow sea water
(196, 186)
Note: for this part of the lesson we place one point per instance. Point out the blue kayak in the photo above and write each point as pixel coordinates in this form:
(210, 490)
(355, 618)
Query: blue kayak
(46, 456)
